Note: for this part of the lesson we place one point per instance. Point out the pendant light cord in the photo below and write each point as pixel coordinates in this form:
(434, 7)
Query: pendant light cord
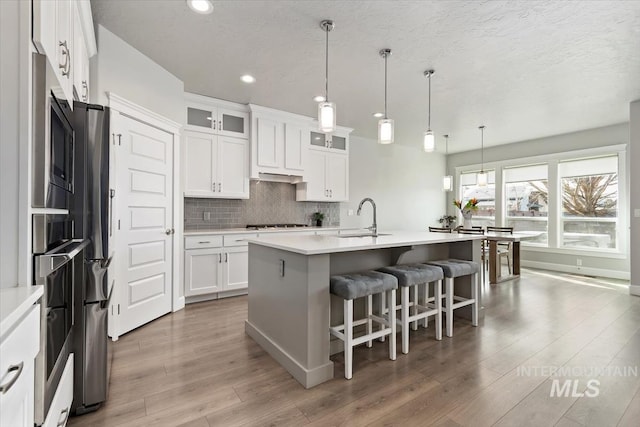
(446, 152)
(482, 149)
(326, 63)
(385, 86)
(429, 120)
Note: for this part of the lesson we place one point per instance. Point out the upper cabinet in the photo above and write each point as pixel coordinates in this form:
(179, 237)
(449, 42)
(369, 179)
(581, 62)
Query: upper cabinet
(215, 166)
(336, 141)
(279, 144)
(216, 116)
(327, 174)
(63, 31)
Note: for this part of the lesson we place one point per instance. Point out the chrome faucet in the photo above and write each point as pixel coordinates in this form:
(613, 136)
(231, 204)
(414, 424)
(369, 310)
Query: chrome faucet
(374, 226)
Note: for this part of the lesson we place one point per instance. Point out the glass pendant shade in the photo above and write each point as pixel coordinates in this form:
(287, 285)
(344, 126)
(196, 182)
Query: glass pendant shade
(385, 131)
(429, 142)
(327, 116)
(481, 179)
(447, 183)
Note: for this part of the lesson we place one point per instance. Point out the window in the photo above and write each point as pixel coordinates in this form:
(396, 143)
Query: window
(589, 191)
(527, 201)
(485, 214)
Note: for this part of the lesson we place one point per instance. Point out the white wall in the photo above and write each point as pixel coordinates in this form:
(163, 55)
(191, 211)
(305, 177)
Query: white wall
(125, 71)
(590, 138)
(634, 200)
(404, 182)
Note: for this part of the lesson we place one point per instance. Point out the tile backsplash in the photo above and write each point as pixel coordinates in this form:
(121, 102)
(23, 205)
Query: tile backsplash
(269, 203)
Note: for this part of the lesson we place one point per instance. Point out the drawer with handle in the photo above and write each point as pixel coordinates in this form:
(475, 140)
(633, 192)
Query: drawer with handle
(238, 239)
(19, 349)
(60, 408)
(201, 242)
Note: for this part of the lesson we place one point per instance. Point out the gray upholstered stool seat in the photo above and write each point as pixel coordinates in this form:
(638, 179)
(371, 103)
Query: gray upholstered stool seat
(412, 276)
(452, 269)
(456, 267)
(358, 285)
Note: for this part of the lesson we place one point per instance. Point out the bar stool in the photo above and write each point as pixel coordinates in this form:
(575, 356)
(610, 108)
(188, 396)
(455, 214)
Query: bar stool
(411, 276)
(358, 285)
(453, 268)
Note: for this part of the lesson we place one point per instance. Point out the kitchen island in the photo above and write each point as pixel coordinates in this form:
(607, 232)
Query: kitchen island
(290, 306)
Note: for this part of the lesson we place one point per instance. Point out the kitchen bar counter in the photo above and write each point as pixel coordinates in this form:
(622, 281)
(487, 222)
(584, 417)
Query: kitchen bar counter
(220, 231)
(290, 306)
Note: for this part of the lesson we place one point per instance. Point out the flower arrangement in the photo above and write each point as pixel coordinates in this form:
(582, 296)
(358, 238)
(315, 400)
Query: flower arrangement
(471, 205)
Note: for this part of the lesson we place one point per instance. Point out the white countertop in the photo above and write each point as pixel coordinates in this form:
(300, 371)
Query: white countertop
(261, 230)
(14, 302)
(324, 244)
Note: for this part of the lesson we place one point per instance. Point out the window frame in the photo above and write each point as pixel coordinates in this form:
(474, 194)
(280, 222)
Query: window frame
(554, 218)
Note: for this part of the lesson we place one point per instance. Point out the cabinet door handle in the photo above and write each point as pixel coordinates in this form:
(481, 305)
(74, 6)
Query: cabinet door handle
(219, 187)
(226, 257)
(220, 258)
(214, 186)
(326, 193)
(330, 193)
(219, 124)
(13, 368)
(64, 412)
(66, 67)
(214, 124)
(85, 90)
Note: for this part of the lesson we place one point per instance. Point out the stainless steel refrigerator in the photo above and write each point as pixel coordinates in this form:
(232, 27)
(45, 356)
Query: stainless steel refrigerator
(92, 210)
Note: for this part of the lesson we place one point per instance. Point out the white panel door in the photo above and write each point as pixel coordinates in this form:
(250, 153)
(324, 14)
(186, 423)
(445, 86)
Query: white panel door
(316, 186)
(338, 177)
(236, 268)
(295, 147)
(200, 155)
(233, 167)
(202, 271)
(269, 143)
(145, 216)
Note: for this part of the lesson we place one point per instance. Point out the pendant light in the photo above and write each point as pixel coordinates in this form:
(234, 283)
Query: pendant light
(326, 109)
(481, 178)
(447, 180)
(385, 125)
(429, 142)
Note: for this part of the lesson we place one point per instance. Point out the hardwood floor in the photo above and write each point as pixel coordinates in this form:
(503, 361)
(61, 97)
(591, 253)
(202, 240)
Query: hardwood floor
(198, 368)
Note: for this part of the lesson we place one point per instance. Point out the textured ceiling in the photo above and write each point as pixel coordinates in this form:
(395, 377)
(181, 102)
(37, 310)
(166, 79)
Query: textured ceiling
(525, 69)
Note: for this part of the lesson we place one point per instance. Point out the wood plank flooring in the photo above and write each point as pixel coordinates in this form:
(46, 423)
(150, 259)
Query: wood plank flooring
(198, 368)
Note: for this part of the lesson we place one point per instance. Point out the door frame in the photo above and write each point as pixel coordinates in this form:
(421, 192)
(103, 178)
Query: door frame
(122, 106)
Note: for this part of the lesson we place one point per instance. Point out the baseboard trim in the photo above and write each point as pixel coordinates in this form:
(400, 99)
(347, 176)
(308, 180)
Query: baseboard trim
(307, 377)
(587, 271)
(634, 290)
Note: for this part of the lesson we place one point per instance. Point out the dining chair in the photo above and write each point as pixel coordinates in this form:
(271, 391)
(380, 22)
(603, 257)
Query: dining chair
(439, 230)
(504, 248)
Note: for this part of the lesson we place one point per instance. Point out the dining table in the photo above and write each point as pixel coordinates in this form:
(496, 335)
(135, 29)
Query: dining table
(493, 237)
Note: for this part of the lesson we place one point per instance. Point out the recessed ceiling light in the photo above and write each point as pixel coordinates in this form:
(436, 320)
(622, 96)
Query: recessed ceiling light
(248, 79)
(200, 6)
(378, 115)
(318, 98)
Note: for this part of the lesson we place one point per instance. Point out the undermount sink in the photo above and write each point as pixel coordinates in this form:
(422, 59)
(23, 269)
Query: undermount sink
(363, 235)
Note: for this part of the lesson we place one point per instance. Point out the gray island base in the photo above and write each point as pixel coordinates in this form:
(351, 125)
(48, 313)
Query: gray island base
(290, 307)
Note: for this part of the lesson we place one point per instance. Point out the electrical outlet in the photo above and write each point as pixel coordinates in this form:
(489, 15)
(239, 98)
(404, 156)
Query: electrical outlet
(207, 216)
(579, 262)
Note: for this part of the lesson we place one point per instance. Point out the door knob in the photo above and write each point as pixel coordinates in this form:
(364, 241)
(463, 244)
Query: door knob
(169, 231)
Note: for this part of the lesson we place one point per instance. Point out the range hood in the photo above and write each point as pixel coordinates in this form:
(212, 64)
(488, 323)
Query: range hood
(273, 177)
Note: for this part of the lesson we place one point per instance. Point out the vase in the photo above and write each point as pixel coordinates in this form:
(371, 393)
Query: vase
(468, 223)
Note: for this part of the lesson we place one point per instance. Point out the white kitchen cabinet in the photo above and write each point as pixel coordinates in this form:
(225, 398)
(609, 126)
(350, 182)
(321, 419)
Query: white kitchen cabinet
(80, 59)
(215, 166)
(210, 269)
(61, 403)
(337, 141)
(53, 36)
(19, 350)
(327, 177)
(203, 268)
(216, 116)
(279, 144)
